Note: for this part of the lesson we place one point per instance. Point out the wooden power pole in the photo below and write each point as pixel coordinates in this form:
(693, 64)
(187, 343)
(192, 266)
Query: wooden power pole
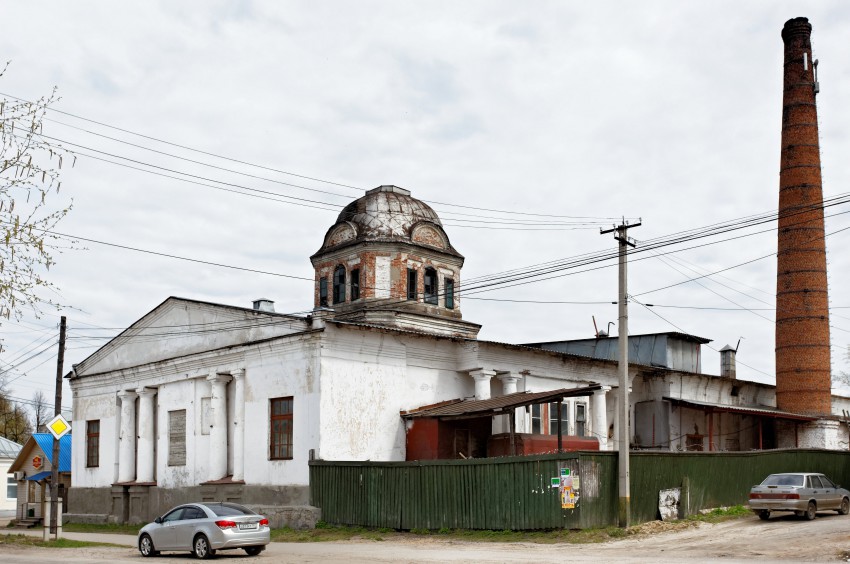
(54, 475)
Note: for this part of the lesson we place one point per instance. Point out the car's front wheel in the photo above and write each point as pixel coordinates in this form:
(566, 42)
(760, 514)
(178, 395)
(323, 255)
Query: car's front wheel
(253, 550)
(845, 506)
(764, 514)
(146, 546)
(201, 547)
(811, 511)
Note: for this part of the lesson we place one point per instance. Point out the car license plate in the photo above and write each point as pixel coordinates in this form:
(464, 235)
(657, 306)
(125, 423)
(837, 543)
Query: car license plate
(243, 526)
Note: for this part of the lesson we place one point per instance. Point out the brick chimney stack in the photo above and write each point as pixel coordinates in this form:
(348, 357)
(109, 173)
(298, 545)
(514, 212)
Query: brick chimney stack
(802, 307)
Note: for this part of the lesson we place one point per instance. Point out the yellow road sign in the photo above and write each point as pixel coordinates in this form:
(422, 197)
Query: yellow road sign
(59, 426)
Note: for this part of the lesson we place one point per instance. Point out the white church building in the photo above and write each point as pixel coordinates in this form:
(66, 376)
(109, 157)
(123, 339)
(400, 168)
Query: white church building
(203, 401)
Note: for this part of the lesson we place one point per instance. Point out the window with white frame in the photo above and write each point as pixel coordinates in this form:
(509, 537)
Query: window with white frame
(536, 418)
(558, 410)
(581, 419)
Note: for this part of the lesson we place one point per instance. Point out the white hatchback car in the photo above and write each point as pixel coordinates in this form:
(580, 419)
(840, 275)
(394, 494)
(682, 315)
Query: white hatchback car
(204, 528)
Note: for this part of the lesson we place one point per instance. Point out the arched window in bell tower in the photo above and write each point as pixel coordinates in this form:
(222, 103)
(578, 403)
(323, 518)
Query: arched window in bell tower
(430, 283)
(339, 284)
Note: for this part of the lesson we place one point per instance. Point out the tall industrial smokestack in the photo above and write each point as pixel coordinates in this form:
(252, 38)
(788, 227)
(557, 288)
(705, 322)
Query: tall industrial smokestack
(802, 304)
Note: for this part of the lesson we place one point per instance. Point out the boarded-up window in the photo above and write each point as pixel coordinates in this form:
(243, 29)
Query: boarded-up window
(177, 438)
(280, 439)
(206, 415)
(382, 277)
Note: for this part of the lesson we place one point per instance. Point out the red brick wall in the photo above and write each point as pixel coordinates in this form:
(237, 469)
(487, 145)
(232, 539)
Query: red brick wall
(398, 274)
(802, 306)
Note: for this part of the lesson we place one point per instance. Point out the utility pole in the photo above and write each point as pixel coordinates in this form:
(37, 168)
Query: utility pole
(54, 474)
(623, 369)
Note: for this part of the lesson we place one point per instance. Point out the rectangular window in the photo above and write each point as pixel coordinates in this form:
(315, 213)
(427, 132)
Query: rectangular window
(355, 284)
(323, 291)
(280, 440)
(11, 488)
(559, 410)
(92, 443)
(536, 419)
(450, 293)
(581, 419)
(177, 438)
(411, 284)
(429, 281)
(339, 284)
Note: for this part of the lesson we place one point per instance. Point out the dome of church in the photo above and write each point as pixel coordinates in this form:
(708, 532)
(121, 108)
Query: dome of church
(387, 212)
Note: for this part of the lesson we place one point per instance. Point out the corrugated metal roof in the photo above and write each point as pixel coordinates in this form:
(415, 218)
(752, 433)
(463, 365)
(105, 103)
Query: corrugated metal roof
(461, 408)
(40, 476)
(679, 335)
(45, 443)
(9, 449)
(748, 410)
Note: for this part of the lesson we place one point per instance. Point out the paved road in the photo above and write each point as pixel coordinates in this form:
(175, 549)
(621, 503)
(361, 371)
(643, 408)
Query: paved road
(786, 539)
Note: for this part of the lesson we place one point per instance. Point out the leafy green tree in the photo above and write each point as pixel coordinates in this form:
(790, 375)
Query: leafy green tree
(29, 176)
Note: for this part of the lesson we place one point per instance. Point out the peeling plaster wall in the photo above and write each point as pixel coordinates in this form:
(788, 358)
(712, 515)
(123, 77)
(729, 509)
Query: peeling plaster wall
(272, 369)
(367, 377)
(103, 407)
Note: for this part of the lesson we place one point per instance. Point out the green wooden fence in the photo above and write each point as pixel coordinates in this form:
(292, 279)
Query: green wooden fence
(516, 492)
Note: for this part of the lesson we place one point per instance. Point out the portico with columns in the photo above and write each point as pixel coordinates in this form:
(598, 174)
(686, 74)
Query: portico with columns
(511, 380)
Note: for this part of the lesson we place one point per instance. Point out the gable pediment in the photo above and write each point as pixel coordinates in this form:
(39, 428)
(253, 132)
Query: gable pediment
(179, 327)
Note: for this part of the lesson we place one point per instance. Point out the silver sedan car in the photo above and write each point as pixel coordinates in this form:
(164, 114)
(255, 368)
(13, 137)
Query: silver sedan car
(204, 528)
(804, 493)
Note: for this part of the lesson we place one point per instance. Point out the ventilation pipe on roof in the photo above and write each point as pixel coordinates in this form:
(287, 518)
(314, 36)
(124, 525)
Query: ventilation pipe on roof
(727, 362)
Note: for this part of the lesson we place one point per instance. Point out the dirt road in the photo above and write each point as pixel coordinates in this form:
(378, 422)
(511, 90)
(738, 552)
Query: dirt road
(826, 539)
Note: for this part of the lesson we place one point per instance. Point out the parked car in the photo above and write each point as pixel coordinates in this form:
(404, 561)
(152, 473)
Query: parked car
(204, 528)
(804, 493)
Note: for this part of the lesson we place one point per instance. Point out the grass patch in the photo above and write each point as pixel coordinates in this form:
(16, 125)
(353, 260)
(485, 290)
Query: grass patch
(329, 533)
(108, 528)
(325, 532)
(721, 514)
(27, 540)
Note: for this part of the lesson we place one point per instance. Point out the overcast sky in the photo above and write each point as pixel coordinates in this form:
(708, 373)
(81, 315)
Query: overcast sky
(666, 111)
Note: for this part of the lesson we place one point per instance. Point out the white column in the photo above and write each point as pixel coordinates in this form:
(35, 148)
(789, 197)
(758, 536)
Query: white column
(482, 382)
(144, 456)
(509, 381)
(239, 425)
(600, 417)
(127, 437)
(218, 433)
